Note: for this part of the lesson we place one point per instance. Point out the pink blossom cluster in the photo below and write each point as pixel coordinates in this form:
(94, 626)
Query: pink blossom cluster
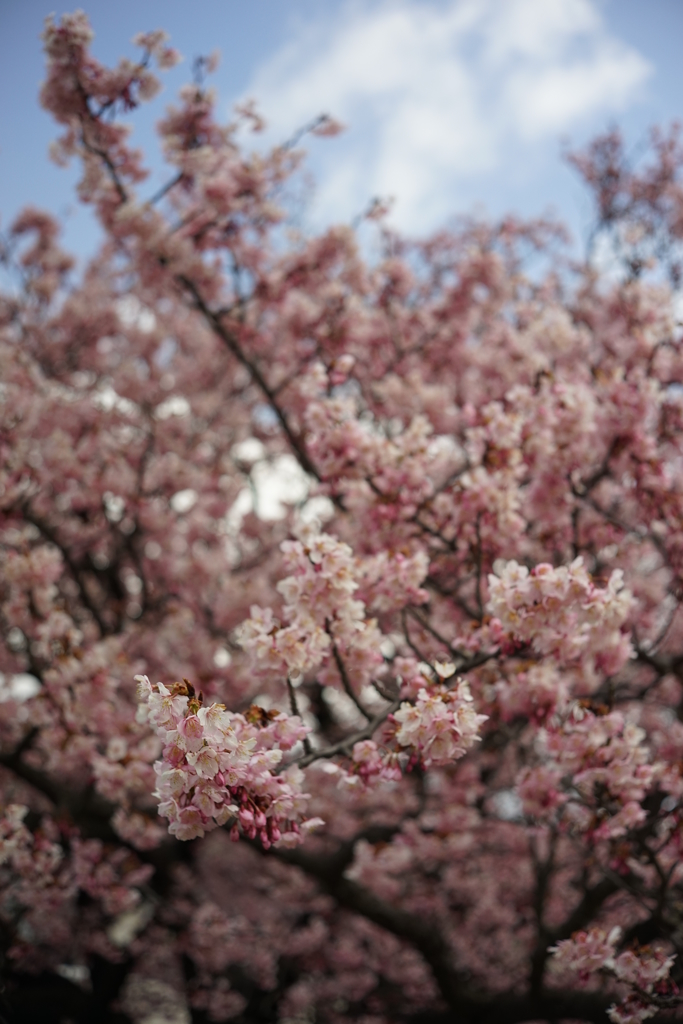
(155, 44)
(42, 873)
(596, 765)
(644, 969)
(587, 952)
(483, 501)
(217, 767)
(383, 869)
(561, 612)
(124, 775)
(392, 473)
(390, 580)
(440, 726)
(320, 612)
(369, 765)
(26, 854)
(534, 692)
(32, 576)
(77, 85)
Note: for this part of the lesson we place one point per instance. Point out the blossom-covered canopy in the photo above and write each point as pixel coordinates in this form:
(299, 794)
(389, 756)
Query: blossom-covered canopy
(411, 747)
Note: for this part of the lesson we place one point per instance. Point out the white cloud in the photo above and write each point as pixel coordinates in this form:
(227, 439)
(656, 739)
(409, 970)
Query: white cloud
(435, 94)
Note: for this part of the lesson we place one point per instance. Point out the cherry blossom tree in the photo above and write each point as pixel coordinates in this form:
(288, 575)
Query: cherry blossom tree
(409, 746)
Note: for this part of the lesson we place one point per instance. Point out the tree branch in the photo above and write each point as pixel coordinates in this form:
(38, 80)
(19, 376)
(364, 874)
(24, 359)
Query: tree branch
(346, 682)
(228, 337)
(345, 746)
(424, 935)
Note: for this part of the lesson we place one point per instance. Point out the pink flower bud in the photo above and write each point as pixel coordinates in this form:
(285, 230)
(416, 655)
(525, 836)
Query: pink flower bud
(246, 817)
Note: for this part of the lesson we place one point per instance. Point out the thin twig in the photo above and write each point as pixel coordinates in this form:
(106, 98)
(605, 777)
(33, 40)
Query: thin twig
(294, 708)
(346, 682)
(346, 745)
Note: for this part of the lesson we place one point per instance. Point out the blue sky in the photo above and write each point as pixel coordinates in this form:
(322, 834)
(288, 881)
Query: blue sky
(450, 105)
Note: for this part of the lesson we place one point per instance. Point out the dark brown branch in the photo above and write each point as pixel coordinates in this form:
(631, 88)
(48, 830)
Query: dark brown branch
(424, 935)
(478, 560)
(214, 321)
(346, 682)
(466, 664)
(346, 745)
(294, 710)
(72, 565)
(586, 910)
(101, 153)
(406, 634)
(427, 626)
(160, 193)
(544, 871)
